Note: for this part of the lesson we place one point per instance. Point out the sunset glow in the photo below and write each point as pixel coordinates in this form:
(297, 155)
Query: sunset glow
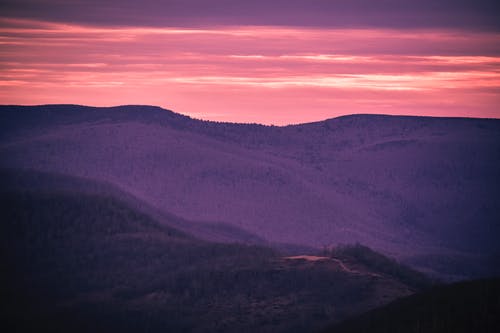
(264, 74)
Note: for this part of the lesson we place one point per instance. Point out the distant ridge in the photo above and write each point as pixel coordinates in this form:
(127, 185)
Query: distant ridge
(420, 189)
(153, 108)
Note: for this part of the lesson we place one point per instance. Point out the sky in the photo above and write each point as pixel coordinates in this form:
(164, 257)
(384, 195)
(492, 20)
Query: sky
(272, 62)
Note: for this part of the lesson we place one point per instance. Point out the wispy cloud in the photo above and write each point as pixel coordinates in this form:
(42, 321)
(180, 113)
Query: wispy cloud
(240, 73)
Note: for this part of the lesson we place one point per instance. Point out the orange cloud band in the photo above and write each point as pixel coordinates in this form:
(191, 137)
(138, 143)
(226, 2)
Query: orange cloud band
(252, 74)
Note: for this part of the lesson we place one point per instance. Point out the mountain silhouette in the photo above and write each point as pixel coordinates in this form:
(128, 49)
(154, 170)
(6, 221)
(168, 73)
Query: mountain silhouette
(422, 190)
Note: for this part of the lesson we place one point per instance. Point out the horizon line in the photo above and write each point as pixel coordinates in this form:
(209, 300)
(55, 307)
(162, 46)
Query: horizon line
(245, 123)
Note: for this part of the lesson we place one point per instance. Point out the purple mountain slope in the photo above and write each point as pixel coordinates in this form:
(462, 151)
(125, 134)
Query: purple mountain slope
(35, 181)
(424, 190)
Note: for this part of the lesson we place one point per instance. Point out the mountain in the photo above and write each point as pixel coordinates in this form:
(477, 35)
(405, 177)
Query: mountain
(79, 261)
(30, 180)
(471, 306)
(422, 190)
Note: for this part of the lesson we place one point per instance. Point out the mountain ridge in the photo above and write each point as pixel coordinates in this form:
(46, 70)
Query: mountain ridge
(36, 181)
(142, 107)
(86, 262)
(410, 187)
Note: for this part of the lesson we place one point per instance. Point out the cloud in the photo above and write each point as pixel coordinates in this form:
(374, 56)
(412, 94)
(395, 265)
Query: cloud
(407, 14)
(241, 73)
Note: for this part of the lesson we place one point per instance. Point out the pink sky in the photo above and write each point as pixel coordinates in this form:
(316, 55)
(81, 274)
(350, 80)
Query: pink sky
(266, 74)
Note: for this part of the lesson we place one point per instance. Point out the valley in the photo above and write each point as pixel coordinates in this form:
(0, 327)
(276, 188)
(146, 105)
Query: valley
(419, 189)
(138, 219)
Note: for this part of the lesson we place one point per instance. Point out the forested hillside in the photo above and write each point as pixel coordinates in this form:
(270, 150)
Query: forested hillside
(472, 306)
(420, 189)
(88, 263)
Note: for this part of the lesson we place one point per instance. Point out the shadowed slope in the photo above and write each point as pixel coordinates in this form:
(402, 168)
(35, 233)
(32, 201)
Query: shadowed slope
(421, 189)
(30, 180)
(83, 262)
(471, 306)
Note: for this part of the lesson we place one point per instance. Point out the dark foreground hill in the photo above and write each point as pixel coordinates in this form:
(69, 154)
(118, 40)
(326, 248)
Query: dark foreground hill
(85, 262)
(421, 189)
(465, 307)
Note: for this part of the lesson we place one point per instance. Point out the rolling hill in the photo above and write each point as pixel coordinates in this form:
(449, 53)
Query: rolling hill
(471, 306)
(81, 261)
(422, 190)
